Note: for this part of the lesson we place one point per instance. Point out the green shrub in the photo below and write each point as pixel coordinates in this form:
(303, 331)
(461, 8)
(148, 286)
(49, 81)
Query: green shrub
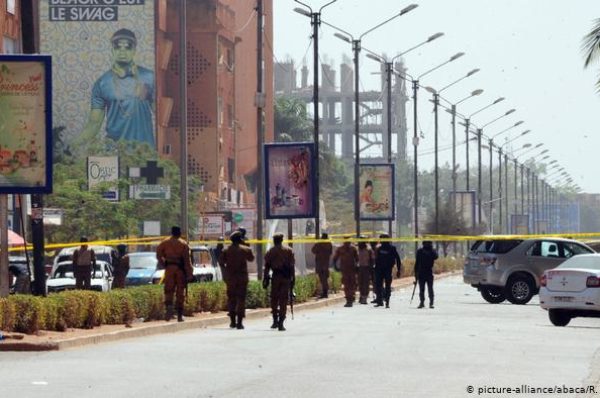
(7, 314)
(30, 313)
(257, 297)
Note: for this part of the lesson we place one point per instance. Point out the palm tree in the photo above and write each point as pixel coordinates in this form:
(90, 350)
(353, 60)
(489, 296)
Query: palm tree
(591, 47)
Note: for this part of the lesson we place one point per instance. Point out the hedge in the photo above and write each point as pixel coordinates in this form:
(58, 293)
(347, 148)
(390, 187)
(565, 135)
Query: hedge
(87, 309)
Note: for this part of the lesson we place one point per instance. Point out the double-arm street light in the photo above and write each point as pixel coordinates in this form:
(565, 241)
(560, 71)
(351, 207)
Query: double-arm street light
(315, 21)
(356, 48)
(389, 69)
(436, 102)
(479, 175)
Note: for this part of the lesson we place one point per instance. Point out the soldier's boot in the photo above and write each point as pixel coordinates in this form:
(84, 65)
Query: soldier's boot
(348, 303)
(280, 324)
(232, 323)
(387, 303)
(180, 315)
(431, 303)
(422, 305)
(323, 295)
(239, 324)
(169, 313)
(275, 324)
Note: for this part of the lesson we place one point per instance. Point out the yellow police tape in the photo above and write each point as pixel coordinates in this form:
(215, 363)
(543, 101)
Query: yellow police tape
(337, 238)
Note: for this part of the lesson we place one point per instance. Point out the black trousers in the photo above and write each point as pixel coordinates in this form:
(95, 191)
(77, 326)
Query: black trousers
(426, 279)
(383, 285)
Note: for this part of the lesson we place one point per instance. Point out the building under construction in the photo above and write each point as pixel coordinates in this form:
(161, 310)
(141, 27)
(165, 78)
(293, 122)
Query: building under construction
(337, 109)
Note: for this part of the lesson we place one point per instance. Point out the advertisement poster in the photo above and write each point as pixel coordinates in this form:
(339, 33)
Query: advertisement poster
(376, 197)
(211, 225)
(466, 206)
(103, 68)
(103, 169)
(290, 180)
(25, 124)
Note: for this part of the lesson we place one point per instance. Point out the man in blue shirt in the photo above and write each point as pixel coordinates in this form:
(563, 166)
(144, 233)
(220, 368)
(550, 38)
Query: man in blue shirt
(124, 94)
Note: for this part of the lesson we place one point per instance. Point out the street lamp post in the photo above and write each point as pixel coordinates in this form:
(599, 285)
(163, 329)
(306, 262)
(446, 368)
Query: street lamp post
(356, 47)
(315, 21)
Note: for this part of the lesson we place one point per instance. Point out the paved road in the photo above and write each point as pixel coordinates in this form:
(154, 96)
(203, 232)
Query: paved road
(335, 352)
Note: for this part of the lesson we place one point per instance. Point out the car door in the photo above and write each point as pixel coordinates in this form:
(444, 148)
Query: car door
(543, 255)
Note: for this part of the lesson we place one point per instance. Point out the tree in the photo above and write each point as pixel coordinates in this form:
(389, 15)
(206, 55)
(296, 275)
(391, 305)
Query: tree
(591, 47)
(291, 120)
(450, 223)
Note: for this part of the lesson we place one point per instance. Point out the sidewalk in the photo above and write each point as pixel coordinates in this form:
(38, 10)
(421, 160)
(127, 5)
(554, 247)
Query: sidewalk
(54, 341)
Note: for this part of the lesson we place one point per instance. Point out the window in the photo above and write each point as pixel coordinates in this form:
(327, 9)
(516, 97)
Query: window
(573, 249)
(545, 249)
(10, 7)
(9, 45)
(495, 246)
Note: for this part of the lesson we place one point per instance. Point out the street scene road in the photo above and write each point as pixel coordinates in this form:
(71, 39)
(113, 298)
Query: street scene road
(350, 352)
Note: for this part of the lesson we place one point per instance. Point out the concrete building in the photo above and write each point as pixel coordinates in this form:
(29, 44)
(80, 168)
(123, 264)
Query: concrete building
(221, 70)
(10, 26)
(337, 108)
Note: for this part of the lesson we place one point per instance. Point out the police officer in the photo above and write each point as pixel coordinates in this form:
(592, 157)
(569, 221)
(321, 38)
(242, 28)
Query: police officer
(84, 263)
(365, 265)
(348, 257)
(234, 261)
(173, 255)
(385, 257)
(424, 263)
(280, 259)
(120, 267)
(322, 252)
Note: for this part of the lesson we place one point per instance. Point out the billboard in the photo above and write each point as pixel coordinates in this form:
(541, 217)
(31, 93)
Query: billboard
(211, 225)
(290, 180)
(104, 68)
(104, 169)
(376, 198)
(25, 124)
(466, 206)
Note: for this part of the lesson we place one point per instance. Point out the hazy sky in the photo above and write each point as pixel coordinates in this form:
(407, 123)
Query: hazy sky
(529, 51)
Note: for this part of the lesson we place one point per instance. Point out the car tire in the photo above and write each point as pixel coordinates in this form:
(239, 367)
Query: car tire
(559, 317)
(519, 289)
(493, 294)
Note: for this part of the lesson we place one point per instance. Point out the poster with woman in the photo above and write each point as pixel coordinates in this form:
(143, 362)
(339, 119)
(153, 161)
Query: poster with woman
(290, 180)
(25, 124)
(376, 199)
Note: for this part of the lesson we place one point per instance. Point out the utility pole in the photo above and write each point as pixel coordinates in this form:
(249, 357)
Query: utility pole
(467, 126)
(415, 84)
(316, 22)
(260, 103)
(356, 47)
(436, 100)
(479, 188)
(4, 275)
(183, 117)
(389, 67)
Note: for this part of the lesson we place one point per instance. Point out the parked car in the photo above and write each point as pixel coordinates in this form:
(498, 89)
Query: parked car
(63, 279)
(19, 262)
(572, 289)
(203, 265)
(142, 266)
(103, 253)
(511, 269)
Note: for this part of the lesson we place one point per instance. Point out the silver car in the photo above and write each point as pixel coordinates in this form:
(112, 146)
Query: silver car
(511, 269)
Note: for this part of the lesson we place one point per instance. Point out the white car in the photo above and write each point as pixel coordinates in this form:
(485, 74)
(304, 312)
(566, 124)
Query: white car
(63, 279)
(203, 266)
(572, 289)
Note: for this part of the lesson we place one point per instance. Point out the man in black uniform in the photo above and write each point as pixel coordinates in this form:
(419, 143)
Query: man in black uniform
(425, 260)
(386, 256)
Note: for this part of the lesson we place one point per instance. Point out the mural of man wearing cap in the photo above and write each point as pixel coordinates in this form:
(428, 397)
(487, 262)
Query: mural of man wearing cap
(124, 95)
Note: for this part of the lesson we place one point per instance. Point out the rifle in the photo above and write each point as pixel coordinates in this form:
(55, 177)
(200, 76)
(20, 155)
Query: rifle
(414, 289)
(292, 296)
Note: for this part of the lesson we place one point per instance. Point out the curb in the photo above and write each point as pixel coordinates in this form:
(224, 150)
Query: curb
(141, 330)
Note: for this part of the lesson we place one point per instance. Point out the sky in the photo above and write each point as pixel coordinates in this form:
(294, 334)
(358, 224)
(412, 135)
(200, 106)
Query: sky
(529, 51)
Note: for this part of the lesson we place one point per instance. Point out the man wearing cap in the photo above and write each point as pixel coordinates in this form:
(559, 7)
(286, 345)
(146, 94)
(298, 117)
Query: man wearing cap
(234, 262)
(120, 267)
(84, 262)
(173, 255)
(424, 262)
(280, 259)
(348, 257)
(386, 256)
(124, 95)
(322, 252)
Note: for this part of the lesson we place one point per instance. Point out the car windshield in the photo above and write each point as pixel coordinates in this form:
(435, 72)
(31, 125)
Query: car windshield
(585, 262)
(143, 261)
(495, 246)
(201, 257)
(66, 271)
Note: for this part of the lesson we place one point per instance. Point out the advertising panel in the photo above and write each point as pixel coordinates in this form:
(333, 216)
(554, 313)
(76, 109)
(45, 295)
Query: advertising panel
(290, 180)
(376, 198)
(211, 225)
(104, 169)
(466, 206)
(25, 124)
(104, 68)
